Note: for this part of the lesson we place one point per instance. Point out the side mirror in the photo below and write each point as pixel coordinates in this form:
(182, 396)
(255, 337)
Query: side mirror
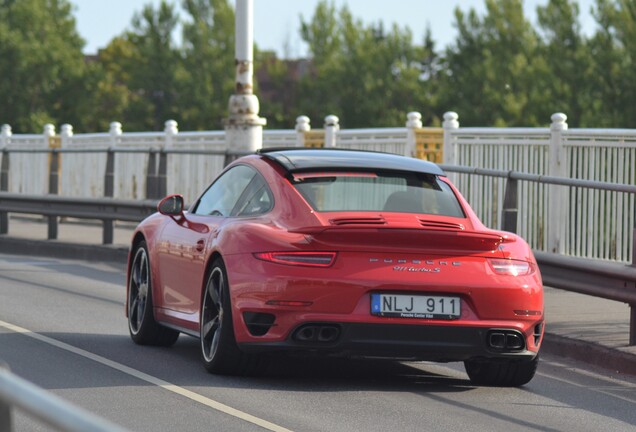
(171, 205)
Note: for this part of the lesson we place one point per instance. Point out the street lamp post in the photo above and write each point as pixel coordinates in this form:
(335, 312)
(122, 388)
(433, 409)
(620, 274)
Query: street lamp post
(243, 127)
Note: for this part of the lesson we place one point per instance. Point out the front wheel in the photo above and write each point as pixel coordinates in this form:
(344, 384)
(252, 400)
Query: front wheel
(219, 350)
(144, 330)
(502, 373)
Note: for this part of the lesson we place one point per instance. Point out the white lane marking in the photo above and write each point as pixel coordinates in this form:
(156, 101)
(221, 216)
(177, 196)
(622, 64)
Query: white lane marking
(583, 386)
(613, 380)
(148, 378)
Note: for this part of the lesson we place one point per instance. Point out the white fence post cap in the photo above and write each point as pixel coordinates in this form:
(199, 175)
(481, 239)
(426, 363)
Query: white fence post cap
(49, 129)
(303, 124)
(171, 127)
(559, 122)
(66, 130)
(332, 121)
(6, 130)
(115, 128)
(451, 120)
(414, 120)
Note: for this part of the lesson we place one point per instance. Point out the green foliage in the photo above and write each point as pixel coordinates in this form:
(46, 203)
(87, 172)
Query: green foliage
(208, 57)
(111, 94)
(364, 74)
(40, 81)
(490, 70)
(500, 71)
(613, 49)
(565, 80)
(153, 76)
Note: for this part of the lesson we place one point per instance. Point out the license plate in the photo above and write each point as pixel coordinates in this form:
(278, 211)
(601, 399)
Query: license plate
(415, 306)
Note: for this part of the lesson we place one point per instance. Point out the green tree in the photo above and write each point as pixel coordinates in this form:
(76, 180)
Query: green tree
(566, 80)
(364, 74)
(279, 95)
(41, 65)
(154, 76)
(111, 94)
(490, 71)
(208, 56)
(614, 49)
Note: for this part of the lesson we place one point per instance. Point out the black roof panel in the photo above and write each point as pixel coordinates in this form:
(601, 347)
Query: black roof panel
(317, 159)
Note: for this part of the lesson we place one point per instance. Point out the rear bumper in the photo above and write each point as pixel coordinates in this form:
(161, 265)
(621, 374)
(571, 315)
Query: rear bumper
(403, 342)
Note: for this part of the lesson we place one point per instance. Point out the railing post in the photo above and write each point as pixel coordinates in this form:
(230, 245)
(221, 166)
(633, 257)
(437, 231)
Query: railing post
(413, 122)
(5, 138)
(510, 205)
(54, 162)
(332, 126)
(302, 125)
(162, 175)
(632, 307)
(66, 139)
(557, 197)
(6, 422)
(115, 132)
(151, 174)
(108, 231)
(109, 176)
(632, 324)
(450, 125)
(171, 130)
(109, 180)
(4, 187)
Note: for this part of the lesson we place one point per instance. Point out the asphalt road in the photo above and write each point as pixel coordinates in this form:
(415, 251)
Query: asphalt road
(62, 327)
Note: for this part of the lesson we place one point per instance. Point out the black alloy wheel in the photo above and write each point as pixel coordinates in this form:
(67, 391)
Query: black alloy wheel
(219, 351)
(144, 330)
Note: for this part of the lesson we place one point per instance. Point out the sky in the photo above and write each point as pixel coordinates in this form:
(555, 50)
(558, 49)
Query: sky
(277, 22)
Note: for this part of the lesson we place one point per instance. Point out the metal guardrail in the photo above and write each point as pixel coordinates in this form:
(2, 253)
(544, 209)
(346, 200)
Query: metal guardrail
(46, 407)
(107, 210)
(597, 278)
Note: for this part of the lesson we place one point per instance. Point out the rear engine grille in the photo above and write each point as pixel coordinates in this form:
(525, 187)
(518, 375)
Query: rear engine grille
(441, 225)
(359, 221)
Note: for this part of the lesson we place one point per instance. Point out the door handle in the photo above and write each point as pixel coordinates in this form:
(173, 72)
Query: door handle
(200, 245)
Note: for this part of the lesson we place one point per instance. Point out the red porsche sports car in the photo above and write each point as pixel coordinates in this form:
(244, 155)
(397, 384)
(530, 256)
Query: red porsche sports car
(336, 252)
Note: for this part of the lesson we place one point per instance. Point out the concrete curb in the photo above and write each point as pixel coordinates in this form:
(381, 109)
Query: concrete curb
(58, 249)
(590, 353)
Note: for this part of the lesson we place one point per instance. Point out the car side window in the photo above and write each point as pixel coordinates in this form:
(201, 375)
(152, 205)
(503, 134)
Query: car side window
(255, 200)
(223, 195)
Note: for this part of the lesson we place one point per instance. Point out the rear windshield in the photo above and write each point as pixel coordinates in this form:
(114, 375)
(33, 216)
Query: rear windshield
(393, 191)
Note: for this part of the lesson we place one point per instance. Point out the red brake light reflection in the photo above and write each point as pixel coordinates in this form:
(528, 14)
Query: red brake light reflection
(510, 267)
(307, 259)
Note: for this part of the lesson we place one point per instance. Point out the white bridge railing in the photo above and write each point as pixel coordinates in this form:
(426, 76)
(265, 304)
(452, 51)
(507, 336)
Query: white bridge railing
(565, 220)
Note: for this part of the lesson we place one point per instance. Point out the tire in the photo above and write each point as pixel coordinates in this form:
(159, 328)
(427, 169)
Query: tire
(501, 373)
(219, 351)
(143, 328)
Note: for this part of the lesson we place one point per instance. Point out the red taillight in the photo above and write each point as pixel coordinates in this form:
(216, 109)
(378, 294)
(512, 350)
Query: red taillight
(308, 259)
(511, 267)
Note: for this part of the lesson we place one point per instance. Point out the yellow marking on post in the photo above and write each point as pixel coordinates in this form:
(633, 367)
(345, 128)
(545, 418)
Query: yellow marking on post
(429, 144)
